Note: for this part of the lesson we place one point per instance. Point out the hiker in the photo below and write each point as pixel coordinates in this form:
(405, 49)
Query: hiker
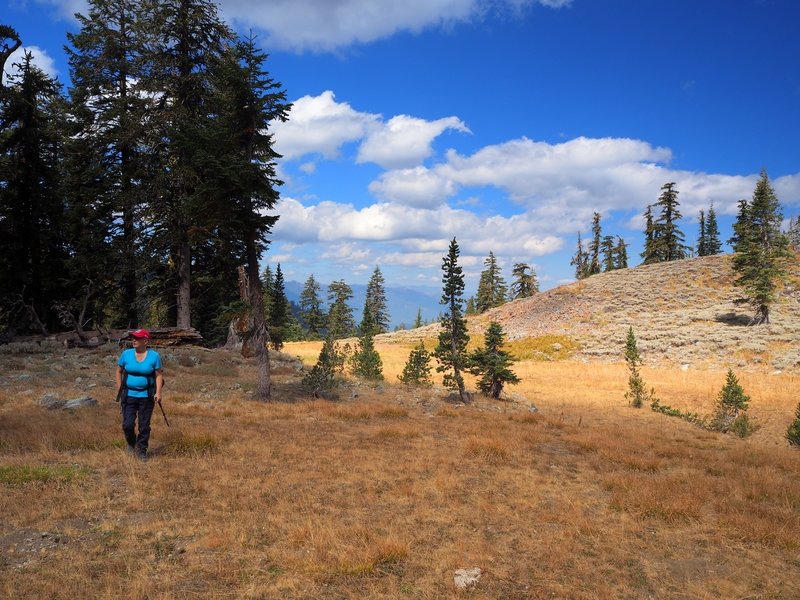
(140, 378)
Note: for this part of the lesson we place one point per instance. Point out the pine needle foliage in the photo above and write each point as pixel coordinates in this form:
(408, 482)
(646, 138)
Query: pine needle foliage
(417, 370)
(322, 376)
(637, 393)
(730, 409)
(451, 351)
(491, 363)
(793, 432)
(761, 250)
(365, 362)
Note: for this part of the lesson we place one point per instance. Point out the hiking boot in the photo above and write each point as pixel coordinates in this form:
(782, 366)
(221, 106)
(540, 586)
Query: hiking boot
(130, 449)
(141, 454)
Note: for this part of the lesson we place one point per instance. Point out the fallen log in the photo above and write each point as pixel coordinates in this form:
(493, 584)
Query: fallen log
(172, 336)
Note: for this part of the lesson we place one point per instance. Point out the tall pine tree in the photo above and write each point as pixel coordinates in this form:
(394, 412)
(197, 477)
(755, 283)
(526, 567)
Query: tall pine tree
(525, 284)
(375, 303)
(451, 351)
(761, 249)
(492, 288)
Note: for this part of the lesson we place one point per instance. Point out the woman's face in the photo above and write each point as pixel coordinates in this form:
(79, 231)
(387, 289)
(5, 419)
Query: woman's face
(139, 343)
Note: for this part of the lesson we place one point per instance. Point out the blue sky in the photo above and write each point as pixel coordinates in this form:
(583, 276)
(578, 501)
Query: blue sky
(504, 123)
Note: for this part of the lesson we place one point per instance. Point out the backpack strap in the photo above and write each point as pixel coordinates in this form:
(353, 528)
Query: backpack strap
(122, 392)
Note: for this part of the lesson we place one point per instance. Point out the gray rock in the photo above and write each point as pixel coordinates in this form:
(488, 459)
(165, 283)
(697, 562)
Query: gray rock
(50, 402)
(465, 579)
(82, 402)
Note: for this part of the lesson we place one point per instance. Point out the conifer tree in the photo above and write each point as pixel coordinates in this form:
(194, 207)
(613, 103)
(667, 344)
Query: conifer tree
(731, 404)
(268, 289)
(621, 254)
(365, 361)
(418, 322)
(451, 351)
(311, 308)
(322, 376)
(9, 43)
(649, 254)
(279, 315)
(580, 260)
(340, 315)
(492, 288)
(186, 39)
(594, 246)
(637, 393)
(607, 249)
(741, 227)
(667, 237)
(713, 245)
(701, 238)
(417, 370)
(491, 363)
(470, 310)
(376, 303)
(106, 60)
(793, 234)
(525, 284)
(32, 216)
(762, 250)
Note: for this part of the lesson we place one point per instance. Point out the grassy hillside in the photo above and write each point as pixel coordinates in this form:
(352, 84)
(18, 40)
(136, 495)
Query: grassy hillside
(388, 491)
(682, 312)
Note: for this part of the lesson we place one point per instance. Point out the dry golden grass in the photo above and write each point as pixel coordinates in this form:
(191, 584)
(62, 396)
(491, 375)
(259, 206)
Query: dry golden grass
(386, 494)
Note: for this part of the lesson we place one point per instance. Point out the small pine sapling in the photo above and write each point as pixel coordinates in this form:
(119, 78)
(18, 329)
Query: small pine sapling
(730, 414)
(322, 376)
(793, 432)
(366, 362)
(637, 393)
(417, 370)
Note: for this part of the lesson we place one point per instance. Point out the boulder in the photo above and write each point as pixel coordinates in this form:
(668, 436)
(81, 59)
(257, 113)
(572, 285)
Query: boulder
(465, 579)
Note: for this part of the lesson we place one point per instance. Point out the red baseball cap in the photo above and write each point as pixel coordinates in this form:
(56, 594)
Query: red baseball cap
(140, 333)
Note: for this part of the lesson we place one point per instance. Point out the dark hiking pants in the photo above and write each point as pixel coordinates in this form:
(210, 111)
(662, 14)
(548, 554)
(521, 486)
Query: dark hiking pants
(133, 408)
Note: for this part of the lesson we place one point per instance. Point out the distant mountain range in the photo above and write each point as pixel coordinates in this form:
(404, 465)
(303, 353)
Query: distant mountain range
(403, 302)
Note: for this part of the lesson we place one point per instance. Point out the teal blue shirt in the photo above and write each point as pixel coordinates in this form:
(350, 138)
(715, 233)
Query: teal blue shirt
(140, 374)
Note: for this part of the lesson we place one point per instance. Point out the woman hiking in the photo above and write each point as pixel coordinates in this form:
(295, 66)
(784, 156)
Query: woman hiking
(140, 378)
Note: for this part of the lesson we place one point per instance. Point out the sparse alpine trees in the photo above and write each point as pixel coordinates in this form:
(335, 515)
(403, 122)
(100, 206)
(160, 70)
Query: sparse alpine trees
(761, 250)
(492, 288)
(451, 351)
(491, 363)
(417, 370)
(649, 255)
(525, 283)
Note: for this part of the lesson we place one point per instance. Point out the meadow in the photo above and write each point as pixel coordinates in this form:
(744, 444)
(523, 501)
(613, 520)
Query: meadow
(386, 492)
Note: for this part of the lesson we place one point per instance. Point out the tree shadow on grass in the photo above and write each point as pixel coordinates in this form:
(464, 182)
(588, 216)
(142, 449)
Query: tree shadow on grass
(734, 319)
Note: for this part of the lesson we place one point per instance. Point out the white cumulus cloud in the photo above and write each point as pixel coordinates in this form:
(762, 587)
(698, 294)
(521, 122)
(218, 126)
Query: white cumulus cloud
(329, 25)
(405, 141)
(320, 125)
(39, 57)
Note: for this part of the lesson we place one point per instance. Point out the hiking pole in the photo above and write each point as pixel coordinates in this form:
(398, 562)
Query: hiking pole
(166, 420)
